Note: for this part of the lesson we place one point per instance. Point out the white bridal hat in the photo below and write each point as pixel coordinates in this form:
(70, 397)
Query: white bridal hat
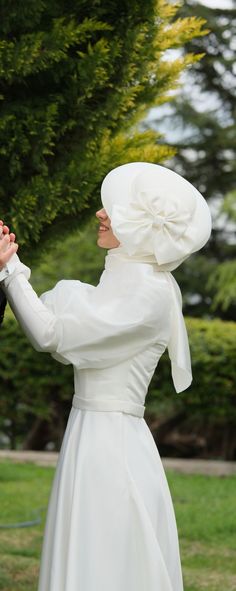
(154, 210)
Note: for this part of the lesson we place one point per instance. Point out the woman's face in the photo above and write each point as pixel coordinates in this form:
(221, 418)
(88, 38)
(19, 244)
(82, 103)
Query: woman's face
(106, 238)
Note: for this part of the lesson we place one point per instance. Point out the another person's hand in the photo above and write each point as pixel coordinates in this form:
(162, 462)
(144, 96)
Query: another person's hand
(8, 246)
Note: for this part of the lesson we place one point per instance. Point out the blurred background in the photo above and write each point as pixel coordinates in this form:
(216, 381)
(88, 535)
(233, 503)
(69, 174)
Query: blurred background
(86, 86)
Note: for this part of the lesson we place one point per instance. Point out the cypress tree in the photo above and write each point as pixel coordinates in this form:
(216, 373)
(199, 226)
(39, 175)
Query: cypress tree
(204, 114)
(76, 79)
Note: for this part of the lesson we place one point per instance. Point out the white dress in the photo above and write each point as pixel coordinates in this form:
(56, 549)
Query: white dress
(110, 523)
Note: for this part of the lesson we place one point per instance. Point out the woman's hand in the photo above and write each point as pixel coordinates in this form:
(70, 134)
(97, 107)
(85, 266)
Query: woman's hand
(8, 246)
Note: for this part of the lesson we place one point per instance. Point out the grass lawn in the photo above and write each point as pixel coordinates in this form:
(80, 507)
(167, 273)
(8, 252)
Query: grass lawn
(205, 510)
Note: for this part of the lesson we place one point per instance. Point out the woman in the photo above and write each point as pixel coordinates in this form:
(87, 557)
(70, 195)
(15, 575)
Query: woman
(110, 523)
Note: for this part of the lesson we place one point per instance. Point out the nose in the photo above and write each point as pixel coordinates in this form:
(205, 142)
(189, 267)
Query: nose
(101, 213)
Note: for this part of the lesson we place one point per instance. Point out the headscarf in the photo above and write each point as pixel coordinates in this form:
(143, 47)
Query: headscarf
(158, 217)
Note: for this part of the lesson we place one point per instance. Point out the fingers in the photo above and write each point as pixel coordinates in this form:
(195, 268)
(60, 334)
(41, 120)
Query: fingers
(6, 243)
(10, 248)
(4, 230)
(10, 251)
(5, 239)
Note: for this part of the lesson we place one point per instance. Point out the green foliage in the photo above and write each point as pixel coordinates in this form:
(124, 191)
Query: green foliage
(24, 493)
(223, 281)
(75, 80)
(32, 386)
(229, 205)
(76, 257)
(223, 278)
(206, 149)
(203, 117)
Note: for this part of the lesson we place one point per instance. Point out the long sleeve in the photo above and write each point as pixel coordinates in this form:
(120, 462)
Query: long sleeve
(10, 267)
(91, 326)
(39, 324)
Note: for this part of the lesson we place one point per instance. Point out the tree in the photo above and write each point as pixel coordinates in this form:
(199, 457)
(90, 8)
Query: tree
(223, 278)
(207, 112)
(76, 78)
(203, 116)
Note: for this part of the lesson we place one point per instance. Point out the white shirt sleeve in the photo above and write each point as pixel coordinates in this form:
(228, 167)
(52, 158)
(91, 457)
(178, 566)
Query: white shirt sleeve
(10, 267)
(39, 324)
(4, 273)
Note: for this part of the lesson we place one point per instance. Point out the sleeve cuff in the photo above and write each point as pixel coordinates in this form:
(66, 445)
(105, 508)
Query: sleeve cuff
(4, 273)
(8, 268)
(12, 268)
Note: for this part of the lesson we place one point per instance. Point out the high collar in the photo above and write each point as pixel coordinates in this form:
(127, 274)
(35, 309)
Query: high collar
(117, 256)
(178, 347)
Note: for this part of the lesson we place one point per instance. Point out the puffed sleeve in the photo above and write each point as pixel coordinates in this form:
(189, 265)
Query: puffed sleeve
(90, 326)
(102, 327)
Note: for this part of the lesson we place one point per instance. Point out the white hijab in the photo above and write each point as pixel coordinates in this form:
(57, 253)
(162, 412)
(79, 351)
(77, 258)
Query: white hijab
(158, 217)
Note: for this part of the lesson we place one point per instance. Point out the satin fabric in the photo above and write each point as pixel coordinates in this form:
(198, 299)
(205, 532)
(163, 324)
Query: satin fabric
(110, 521)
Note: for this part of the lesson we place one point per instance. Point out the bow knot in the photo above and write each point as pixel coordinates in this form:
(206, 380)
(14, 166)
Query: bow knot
(159, 221)
(151, 223)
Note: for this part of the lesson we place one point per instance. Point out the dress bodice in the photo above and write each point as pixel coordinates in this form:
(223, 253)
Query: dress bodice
(133, 335)
(121, 387)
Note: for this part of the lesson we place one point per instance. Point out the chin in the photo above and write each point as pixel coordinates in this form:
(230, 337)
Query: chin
(102, 243)
(106, 241)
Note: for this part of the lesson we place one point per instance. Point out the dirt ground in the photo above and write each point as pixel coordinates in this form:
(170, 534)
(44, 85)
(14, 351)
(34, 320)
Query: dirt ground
(186, 466)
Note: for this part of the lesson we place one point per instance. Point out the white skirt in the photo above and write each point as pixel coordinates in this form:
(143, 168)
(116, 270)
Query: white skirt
(110, 523)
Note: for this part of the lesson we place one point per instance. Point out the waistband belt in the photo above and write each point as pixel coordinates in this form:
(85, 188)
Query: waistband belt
(99, 404)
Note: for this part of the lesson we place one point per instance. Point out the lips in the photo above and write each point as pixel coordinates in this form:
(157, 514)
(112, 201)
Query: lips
(103, 228)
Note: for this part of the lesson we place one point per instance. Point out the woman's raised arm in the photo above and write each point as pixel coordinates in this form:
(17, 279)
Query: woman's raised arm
(39, 324)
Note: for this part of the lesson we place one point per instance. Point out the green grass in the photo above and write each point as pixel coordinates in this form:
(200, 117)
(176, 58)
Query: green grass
(24, 488)
(205, 511)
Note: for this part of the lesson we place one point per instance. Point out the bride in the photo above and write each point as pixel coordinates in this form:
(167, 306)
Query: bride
(110, 522)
